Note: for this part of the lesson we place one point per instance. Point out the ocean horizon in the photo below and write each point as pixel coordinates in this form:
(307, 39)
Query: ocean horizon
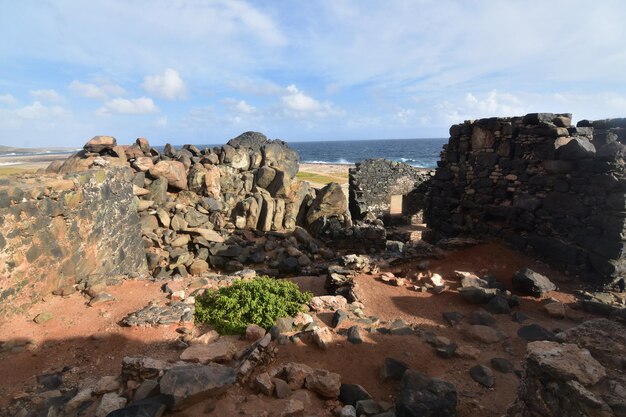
(422, 153)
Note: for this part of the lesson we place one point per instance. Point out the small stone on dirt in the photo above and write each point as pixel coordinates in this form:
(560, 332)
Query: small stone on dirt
(483, 375)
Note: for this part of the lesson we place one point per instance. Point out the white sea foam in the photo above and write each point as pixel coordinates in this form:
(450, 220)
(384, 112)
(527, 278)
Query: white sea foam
(3, 164)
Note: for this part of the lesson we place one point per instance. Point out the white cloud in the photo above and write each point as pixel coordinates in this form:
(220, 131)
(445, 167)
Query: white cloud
(161, 121)
(298, 104)
(8, 100)
(35, 115)
(100, 92)
(256, 87)
(239, 106)
(169, 85)
(475, 106)
(142, 105)
(47, 95)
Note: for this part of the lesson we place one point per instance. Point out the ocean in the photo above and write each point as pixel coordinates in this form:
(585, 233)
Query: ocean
(422, 153)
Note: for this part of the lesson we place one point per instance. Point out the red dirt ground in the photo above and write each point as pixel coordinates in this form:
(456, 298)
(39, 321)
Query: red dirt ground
(89, 340)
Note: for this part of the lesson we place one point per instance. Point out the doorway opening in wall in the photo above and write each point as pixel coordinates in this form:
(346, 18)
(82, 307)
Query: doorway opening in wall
(395, 205)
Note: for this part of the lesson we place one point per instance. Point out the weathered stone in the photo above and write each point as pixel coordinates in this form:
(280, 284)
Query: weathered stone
(483, 375)
(502, 365)
(254, 332)
(99, 144)
(323, 337)
(186, 385)
(296, 374)
(107, 383)
(43, 317)
(530, 282)
(421, 395)
(218, 351)
(324, 383)
(484, 334)
(173, 171)
(108, 403)
(263, 383)
(354, 335)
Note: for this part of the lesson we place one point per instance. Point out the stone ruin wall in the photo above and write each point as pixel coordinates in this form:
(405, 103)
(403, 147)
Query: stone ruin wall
(373, 182)
(58, 231)
(201, 209)
(539, 184)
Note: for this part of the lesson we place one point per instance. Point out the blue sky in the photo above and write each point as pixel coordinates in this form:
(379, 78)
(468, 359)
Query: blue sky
(205, 71)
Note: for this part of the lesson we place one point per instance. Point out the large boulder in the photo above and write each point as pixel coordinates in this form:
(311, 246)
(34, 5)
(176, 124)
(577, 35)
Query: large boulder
(173, 171)
(532, 283)
(330, 202)
(99, 144)
(249, 140)
(277, 154)
(424, 396)
(183, 386)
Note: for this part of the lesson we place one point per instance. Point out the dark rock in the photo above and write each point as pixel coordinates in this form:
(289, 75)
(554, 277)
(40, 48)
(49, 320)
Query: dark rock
(339, 317)
(519, 317)
(532, 283)
(576, 148)
(354, 335)
(498, 305)
(453, 317)
(141, 409)
(482, 318)
(502, 365)
(50, 381)
(281, 388)
(483, 375)
(423, 396)
(367, 407)
(351, 394)
(187, 385)
(393, 369)
(534, 332)
(477, 295)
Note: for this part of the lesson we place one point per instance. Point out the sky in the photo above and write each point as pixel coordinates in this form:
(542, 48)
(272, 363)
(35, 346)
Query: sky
(187, 71)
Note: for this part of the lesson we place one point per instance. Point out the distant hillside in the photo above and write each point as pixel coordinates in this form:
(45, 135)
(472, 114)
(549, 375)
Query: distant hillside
(11, 149)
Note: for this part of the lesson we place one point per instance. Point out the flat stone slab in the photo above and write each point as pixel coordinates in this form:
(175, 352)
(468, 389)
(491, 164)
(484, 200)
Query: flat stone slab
(183, 386)
(219, 351)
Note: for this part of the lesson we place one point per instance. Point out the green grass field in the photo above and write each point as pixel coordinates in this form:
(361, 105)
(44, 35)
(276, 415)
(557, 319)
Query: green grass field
(322, 179)
(7, 171)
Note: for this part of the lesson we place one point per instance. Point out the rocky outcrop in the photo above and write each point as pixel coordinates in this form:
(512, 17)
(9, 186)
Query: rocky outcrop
(541, 185)
(62, 232)
(583, 375)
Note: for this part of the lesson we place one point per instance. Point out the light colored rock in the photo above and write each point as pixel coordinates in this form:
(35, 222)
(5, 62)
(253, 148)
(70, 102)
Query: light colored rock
(143, 163)
(220, 351)
(328, 302)
(81, 397)
(208, 234)
(109, 403)
(263, 384)
(566, 360)
(556, 310)
(98, 144)
(437, 280)
(323, 337)
(254, 332)
(138, 191)
(484, 334)
(292, 407)
(108, 383)
(173, 171)
(467, 352)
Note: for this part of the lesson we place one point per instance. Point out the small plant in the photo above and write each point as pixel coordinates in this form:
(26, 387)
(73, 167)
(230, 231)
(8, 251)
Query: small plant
(259, 301)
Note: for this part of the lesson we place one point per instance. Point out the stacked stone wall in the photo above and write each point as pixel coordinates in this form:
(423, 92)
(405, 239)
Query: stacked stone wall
(540, 184)
(374, 181)
(58, 231)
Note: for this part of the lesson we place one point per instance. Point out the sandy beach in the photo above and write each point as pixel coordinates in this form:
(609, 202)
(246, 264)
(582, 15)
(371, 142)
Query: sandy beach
(317, 174)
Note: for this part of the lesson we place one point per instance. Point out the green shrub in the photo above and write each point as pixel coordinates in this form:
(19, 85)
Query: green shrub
(259, 301)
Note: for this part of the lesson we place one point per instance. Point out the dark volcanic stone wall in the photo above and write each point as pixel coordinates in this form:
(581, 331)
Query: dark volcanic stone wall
(57, 231)
(374, 181)
(539, 184)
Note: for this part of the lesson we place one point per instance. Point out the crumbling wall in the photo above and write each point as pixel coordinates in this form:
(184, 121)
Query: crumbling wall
(56, 231)
(195, 205)
(373, 182)
(539, 184)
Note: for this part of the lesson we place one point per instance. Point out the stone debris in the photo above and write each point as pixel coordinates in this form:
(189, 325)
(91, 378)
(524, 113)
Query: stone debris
(152, 315)
(183, 386)
(422, 395)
